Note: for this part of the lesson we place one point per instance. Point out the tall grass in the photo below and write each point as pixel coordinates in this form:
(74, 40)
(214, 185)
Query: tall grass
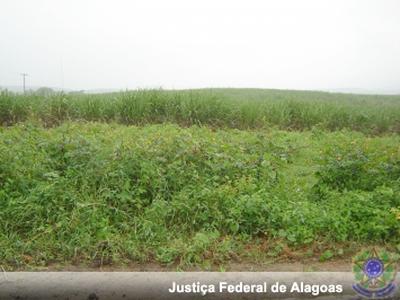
(229, 108)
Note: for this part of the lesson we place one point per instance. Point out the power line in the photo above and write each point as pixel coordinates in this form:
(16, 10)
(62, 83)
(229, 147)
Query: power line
(23, 81)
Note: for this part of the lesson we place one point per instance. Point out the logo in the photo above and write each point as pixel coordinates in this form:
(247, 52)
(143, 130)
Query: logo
(374, 273)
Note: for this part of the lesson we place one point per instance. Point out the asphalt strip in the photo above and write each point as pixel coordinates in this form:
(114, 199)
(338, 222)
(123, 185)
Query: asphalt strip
(180, 285)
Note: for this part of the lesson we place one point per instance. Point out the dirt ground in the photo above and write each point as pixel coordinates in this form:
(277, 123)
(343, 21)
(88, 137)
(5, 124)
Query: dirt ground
(288, 266)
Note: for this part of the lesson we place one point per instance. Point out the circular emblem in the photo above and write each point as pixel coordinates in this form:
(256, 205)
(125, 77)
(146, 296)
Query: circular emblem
(373, 268)
(374, 272)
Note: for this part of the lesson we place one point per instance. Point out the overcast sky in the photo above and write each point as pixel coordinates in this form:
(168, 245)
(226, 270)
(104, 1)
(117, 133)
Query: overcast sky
(289, 44)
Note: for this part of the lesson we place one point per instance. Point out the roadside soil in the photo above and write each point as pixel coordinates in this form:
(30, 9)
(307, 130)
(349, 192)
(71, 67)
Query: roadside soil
(344, 265)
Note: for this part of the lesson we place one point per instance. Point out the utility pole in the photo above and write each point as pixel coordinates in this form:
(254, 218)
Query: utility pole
(23, 80)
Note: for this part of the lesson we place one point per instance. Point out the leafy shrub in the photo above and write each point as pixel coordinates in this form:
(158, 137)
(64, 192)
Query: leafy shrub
(108, 193)
(359, 167)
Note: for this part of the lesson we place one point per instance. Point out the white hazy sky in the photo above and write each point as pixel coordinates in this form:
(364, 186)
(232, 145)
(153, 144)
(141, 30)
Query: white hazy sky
(293, 44)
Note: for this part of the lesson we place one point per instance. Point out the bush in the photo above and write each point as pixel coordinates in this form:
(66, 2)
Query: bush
(109, 193)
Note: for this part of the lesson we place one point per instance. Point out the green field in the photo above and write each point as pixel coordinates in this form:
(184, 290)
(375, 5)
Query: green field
(196, 178)
(218, 108)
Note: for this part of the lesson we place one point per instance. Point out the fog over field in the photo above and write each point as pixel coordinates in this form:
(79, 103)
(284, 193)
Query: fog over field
(343, 45)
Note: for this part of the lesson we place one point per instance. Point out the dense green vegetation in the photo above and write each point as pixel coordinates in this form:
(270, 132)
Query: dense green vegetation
(109, 193)
(225, 108)
(202, 177)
